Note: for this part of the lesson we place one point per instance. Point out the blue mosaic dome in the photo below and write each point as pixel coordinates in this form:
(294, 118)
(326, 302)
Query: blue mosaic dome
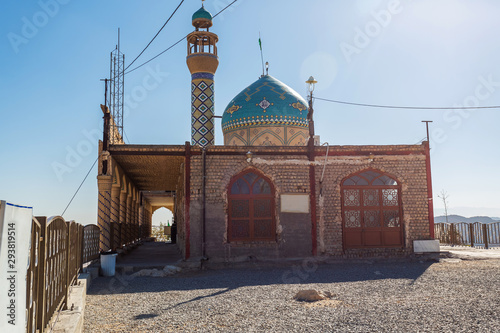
(202, 13)
(266, 102)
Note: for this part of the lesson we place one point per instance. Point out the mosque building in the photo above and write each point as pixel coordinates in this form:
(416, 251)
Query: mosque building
(271, 191)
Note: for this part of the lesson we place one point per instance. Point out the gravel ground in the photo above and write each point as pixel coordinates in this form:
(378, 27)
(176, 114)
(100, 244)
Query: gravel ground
(453, 296)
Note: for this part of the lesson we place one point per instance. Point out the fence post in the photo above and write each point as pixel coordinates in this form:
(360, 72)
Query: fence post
(485, 235)
(452, 234)
(80, 228)
(471, 231)
(447, 233)
(68, 256)
(33, 276)
(41, 303)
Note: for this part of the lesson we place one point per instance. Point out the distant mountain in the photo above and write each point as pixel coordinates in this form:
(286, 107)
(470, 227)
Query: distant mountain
(458, 219)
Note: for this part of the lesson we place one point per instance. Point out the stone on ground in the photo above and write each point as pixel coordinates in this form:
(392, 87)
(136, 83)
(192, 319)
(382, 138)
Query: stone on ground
(167, 270)
(311, 295)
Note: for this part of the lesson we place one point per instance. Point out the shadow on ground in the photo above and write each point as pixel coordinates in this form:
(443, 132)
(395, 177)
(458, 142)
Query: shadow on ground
(305, 272)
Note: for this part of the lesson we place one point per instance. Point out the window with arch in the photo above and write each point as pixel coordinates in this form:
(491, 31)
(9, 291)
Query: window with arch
(251, 208)
(371, 210)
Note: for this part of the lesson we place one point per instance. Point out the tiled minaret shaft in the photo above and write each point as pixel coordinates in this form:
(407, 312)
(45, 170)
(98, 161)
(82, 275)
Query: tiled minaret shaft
(202, 61)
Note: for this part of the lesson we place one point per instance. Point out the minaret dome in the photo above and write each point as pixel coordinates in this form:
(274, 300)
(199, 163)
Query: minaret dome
(202, 19)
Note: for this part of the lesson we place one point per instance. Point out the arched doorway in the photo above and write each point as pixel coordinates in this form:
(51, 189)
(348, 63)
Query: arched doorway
(162, 217)
(251, 215)
(371, 211)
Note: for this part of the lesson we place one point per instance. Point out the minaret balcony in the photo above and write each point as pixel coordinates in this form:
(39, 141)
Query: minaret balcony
(202, 42)
(202, 62)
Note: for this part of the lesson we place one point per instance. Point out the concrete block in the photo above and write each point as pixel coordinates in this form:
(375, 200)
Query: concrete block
(425, 246)
(85, 279)
(71, 320)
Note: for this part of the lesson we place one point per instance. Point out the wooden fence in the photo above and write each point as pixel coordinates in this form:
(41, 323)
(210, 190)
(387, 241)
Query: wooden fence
(470, 234)
(58, 251)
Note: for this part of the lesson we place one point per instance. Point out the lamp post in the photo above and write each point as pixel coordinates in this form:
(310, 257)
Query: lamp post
(312, 172)
(311, 85)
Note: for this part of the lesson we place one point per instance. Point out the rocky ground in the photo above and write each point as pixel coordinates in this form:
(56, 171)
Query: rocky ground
(450, 296)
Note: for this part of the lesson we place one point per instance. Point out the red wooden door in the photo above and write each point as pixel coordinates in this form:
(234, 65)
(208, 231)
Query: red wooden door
(371, 211)
(251, 208)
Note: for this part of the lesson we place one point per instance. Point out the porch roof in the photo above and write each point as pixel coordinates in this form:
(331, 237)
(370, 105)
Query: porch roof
(154, 168)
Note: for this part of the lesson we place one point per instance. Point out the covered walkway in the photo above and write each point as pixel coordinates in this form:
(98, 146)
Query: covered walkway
(149, 255)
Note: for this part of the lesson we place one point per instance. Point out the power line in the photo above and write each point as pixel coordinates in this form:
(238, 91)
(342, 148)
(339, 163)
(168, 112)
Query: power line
(409, 107)
(126, 137)
(84, 179)
(156, 35)
(225, 8)
(147, 62)
(171, 46)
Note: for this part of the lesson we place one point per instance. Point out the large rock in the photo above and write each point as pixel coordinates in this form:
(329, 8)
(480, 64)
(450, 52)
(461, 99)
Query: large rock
(311, 295)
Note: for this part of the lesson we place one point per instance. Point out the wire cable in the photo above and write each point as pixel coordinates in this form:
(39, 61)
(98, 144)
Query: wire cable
(171, 46)
(147, 62)
(409, 107)
(155, 35)
(126, 137)
(223, 9)
(84, 179)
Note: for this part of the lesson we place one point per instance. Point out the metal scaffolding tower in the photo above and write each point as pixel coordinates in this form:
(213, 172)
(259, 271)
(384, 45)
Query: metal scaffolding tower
(117, 75)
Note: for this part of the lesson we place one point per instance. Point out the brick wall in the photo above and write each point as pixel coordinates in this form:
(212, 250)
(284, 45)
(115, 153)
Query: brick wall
(408, 170)
(179, 213)
(288, 169)
(293, 230)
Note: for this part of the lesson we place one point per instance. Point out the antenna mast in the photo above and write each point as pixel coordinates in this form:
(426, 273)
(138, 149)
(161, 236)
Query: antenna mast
(116, 93)
(261, 54)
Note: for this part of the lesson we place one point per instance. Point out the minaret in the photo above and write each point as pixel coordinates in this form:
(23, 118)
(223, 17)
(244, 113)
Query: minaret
(202, 61)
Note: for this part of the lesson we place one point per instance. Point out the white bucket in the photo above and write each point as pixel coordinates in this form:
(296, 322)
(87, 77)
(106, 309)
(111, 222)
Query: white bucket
(108, 263)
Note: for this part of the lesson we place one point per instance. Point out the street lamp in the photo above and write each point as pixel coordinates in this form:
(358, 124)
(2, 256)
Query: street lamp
(311, 85)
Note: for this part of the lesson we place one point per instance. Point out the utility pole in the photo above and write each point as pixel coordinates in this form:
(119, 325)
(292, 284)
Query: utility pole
(105, 91)
(105, 110)
(427, 127)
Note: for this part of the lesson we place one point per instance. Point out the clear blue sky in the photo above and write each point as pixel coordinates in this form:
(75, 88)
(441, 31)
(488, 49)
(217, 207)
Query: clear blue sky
(424, 53)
